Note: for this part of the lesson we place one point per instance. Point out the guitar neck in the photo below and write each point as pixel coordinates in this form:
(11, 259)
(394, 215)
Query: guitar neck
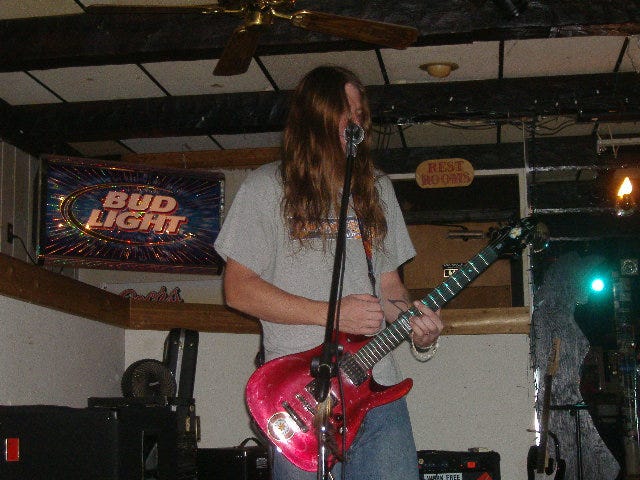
(543, 455)
(398, 331)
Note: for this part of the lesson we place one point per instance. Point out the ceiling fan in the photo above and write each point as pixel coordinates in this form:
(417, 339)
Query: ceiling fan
(258, 15)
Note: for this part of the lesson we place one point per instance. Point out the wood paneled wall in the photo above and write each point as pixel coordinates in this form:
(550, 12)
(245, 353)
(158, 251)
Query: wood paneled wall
(18, 173)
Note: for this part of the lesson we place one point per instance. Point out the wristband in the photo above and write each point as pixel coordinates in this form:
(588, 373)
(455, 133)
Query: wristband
(424, 354)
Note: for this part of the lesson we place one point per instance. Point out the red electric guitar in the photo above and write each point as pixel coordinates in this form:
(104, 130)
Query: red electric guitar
(280, 394)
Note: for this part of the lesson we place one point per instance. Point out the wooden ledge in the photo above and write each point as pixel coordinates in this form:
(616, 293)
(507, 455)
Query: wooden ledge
(36, 285)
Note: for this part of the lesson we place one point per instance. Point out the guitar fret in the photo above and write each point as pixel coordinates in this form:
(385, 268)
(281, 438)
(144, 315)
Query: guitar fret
(366, 354)
(397, 339)
(437, 290)
(448, 288)
(465, 275)
(474, 267)
(383, 343)
(385, 337)
(377, 349)
(375, 354)
(360, 361)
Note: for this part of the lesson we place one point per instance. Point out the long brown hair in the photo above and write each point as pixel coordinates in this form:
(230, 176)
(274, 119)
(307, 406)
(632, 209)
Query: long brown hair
(313, 161)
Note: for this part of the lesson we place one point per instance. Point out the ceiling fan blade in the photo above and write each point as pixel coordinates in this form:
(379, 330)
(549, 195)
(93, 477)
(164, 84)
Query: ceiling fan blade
(237, 55)
(379, 33)
(200, 9)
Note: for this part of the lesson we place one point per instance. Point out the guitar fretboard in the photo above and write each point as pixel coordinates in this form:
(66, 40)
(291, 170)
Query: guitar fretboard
(395, 333)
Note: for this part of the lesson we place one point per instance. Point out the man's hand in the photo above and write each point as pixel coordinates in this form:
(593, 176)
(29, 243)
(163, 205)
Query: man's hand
(361, 314)
(426, 327)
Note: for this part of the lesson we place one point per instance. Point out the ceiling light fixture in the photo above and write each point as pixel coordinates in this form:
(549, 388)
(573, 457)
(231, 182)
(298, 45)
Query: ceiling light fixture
(439, 69)
(513, 8)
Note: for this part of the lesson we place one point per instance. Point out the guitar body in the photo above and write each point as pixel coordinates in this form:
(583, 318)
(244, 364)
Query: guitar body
(539, 463)
(558, 468)
(280, 400)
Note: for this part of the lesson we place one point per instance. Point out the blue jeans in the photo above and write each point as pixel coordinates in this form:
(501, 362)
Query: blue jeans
(384, 449)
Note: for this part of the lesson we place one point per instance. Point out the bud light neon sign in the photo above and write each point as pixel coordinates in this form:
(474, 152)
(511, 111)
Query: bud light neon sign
(99, 214)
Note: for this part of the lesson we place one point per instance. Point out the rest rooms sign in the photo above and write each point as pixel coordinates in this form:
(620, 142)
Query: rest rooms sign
(444, 173)
(99, 214)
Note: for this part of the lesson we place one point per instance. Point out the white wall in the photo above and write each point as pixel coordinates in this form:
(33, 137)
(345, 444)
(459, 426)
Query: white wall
(46, 357)
(476, 392)
(51, 358)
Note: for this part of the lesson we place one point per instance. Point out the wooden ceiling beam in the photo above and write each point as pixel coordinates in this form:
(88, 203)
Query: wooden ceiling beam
(558, 153)
(43, 128)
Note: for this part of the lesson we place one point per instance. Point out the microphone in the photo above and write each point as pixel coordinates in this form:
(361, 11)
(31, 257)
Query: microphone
(354, 133)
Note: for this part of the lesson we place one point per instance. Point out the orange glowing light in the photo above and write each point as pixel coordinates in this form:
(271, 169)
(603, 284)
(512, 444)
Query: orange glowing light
(626, 188)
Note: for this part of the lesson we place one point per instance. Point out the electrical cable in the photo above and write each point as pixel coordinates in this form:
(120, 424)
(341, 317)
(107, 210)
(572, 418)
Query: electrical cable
(24, 247)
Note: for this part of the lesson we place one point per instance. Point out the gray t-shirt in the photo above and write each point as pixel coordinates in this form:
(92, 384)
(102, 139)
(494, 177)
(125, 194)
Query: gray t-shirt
(254, 234)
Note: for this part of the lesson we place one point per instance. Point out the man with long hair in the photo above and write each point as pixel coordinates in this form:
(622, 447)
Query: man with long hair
(278, 241)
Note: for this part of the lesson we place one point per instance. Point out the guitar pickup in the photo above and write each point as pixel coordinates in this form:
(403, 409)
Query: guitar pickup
(305, 404)
(296, 418)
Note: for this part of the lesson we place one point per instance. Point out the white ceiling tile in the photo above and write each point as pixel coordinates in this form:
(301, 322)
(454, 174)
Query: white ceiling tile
(386, 136)
(106, 82)
(249, 140)
(631, 59)
(287, 70)
(443, 133)
(10, 9)
(18, 88)
(196, 78)
(96, 149)
(170, 144)
(561, 56)
(608, 129)
(476, 61)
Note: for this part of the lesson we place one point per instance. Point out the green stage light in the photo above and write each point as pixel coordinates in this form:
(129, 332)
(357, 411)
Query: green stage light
(597, 285)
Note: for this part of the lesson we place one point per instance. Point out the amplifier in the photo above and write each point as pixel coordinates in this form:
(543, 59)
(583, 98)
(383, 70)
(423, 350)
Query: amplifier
(45, 442)
(234, 463)
(448, 465)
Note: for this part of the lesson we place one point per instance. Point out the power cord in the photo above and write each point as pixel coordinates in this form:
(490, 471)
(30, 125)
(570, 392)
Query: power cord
(11, 236)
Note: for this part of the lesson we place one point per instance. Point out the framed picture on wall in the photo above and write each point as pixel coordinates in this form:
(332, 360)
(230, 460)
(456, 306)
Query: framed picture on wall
(111, 215)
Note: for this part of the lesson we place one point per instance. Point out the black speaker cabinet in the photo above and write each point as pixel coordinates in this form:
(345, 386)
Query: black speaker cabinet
(469, 465)
(234, 463)
(127, 442)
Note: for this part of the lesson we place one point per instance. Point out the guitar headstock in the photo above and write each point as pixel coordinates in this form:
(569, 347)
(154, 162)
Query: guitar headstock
(554, 358)
(512, 238)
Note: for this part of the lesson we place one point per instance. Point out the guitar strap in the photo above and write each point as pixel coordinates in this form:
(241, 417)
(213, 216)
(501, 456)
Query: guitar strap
(368, 252)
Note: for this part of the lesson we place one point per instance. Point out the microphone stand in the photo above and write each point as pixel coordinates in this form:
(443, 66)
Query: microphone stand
(327, 366)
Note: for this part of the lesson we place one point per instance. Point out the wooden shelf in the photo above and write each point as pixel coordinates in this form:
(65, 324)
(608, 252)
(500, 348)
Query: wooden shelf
(36, 285)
